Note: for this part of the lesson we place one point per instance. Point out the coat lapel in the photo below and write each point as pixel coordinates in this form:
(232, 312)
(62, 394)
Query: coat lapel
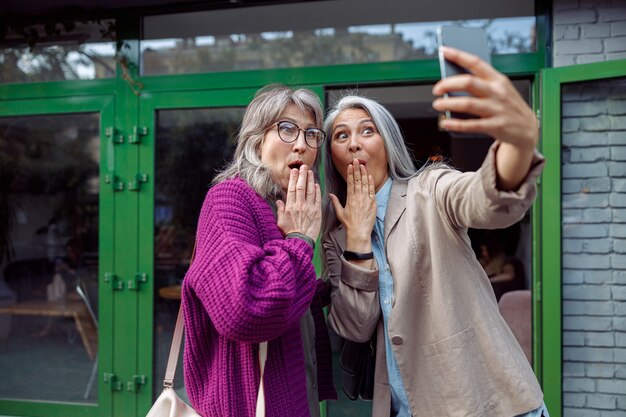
(395, 207)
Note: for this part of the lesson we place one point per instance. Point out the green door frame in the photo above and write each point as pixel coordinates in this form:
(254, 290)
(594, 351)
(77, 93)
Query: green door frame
(104, 105)
(552, 81)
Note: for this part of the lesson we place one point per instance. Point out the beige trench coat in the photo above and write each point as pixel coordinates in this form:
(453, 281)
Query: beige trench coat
(456, 355)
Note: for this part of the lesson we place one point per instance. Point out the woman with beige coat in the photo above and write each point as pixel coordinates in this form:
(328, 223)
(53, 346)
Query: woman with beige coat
(401, 263)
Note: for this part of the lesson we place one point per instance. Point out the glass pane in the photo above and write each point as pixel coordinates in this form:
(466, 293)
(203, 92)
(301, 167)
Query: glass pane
(594, 215)
(505, 254)
(191, 145)
(328, 33)
(61, 51)
(49, 257)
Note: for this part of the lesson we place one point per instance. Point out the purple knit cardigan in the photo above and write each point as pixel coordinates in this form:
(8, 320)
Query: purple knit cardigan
(247, 284)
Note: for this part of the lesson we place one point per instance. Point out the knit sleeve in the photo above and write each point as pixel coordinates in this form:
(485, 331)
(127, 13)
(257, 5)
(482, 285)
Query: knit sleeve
(251, 291)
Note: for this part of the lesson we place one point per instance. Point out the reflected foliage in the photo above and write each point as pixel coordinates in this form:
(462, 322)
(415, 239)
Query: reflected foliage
(330, 46)
(59, 49)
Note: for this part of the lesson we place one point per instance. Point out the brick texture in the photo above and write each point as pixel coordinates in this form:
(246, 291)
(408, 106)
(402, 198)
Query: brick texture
(594, 210)
(588, 31)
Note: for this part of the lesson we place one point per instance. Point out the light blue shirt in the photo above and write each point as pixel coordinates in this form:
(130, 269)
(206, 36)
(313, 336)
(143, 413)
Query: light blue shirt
(537, 412)
(399, 400)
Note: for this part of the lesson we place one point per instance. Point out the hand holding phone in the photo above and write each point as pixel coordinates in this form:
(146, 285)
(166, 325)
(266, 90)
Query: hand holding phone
(497, 108)
(472, 40)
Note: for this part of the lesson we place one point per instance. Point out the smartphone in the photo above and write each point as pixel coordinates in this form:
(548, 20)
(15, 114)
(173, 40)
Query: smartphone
(472, 40)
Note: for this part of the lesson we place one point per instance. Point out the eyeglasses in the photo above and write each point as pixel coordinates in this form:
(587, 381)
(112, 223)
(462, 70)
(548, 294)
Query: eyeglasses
(288, 132)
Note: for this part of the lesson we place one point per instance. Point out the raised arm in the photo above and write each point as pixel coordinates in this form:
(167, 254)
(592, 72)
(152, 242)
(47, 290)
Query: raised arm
(503, 115)
(472, 199)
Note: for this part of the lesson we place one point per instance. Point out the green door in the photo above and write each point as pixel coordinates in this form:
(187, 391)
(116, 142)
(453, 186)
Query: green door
(56, 212)
(583, 127)
(190, 136)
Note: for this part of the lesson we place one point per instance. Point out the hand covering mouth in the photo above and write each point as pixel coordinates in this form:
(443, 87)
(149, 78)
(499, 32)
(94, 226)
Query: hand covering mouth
(295, 164)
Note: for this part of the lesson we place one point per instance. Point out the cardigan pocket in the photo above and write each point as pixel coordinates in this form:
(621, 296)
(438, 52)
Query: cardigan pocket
(460, 375)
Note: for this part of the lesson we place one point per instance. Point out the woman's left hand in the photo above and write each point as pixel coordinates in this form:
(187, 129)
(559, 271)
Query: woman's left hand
(503, 113)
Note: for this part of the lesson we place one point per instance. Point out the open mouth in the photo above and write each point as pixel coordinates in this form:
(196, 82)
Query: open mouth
(362, 162)
(295, 164)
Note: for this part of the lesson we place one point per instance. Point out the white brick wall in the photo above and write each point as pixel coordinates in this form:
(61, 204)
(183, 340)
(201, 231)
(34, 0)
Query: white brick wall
(587, 31)
(594, 244)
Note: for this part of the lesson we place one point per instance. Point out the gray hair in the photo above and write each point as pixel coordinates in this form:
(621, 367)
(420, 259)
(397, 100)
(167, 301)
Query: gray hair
(399, 163)
(261, 114)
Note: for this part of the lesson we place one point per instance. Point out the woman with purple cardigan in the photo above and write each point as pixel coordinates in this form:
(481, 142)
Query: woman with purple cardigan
(252, 278)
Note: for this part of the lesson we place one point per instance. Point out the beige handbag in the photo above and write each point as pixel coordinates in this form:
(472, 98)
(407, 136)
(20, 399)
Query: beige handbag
(169, 403)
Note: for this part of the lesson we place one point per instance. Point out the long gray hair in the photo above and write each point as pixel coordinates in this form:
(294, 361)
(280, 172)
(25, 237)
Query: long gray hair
(261, 114)
(399, 163)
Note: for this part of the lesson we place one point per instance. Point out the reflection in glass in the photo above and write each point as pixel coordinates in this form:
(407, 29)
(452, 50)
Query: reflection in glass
(322, 46)
(69, 51)
(191, 145)
(48, 250)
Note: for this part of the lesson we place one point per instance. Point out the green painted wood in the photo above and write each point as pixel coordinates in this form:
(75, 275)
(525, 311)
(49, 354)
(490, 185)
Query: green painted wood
(45, 409)
(145, 311)
(201, 98)
(106, 242)
(126, 240)
(587, 72)
(45, 105)
(536, 277)
(551, 248)
(56, 89)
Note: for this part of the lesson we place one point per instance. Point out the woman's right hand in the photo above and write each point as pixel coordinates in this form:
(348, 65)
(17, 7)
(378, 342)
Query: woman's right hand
(302, 210)
(359, 214)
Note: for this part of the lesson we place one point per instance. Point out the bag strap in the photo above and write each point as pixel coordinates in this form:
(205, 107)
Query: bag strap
(172, 361)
